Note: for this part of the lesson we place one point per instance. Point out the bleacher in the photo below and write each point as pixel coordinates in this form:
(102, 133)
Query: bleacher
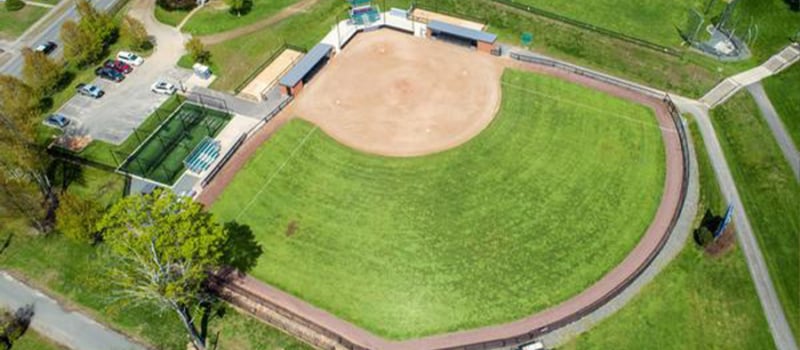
(206, 152)
(362, 12)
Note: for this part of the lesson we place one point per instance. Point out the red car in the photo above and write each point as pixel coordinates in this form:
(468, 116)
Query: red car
(118, 66)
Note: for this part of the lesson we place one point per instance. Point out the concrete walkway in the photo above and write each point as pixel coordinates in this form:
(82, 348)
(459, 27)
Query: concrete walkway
(728, 87)
(788, 147)
(69, 328)
(779, 326)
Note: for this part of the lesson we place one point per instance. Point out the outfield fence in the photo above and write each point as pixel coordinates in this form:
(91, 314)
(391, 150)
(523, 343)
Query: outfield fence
(247, 294)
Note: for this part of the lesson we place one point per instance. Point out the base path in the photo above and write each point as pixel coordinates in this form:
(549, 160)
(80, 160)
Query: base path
(509, 333)
(69, 328)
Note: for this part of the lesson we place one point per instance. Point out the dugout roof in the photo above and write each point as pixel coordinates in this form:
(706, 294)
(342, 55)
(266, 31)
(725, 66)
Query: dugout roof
(461, 32)
(306, 64)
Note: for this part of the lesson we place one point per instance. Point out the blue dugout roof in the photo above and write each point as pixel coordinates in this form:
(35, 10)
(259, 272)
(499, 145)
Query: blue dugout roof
(462, 32)
(306, 64)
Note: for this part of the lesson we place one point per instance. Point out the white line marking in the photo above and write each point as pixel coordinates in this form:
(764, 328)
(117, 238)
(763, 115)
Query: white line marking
(275, 173)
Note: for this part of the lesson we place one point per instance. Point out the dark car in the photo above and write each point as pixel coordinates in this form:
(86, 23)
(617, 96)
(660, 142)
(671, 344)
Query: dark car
(118, 66)
(109, 74)
(46, 48)
(90, 90)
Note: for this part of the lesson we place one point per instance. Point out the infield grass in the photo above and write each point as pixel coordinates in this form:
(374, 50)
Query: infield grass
(551, 196)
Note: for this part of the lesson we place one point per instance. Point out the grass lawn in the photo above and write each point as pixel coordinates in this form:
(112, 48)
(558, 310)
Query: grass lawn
(783, 92)
(12, 24)
(464, 238)
(161, 156)
(32, 340)
(72, 272)
(697, 302)
(216, 16)
(172, 18)
(770, 194)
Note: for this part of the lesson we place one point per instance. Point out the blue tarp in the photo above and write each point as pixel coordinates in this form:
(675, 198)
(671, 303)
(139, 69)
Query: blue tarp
(461, 32)
(306, 64)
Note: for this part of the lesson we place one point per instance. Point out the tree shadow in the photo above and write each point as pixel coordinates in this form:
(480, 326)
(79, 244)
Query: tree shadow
(241, 250)
(247, 5)
(6, 243)
(794, 5)
(708, 224)
(65, 173)
(16, 326)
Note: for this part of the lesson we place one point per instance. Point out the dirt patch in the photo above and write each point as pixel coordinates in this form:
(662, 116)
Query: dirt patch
(723, 244)
(393, 94)
(292, 228)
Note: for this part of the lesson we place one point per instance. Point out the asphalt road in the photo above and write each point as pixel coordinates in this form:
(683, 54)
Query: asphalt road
(50, 31)
(72, 329)
(785, 142)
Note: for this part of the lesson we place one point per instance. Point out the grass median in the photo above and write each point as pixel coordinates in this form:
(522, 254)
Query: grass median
(407, 247)
(783, 93)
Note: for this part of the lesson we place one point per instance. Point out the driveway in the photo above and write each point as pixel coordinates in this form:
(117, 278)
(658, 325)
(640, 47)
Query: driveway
(127, 104)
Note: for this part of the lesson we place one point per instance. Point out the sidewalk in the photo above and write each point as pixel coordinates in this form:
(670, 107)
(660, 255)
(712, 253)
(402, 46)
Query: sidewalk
(69, 328)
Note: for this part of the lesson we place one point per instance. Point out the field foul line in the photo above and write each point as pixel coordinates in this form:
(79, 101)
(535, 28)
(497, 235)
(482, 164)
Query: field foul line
(275, 173)
(623, 117)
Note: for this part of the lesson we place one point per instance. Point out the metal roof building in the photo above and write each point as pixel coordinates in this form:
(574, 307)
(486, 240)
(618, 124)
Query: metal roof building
(306, 65)
(458, 31)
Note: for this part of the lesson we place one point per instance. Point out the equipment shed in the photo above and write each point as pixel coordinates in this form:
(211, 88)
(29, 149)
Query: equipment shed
(483, 41)
(303, 71)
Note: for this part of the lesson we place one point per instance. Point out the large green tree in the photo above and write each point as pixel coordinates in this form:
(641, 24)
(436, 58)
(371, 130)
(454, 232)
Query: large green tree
(92, 21)
(134, 32)
(40, 72)
(164, 248)
(81, 47)
(24, 182)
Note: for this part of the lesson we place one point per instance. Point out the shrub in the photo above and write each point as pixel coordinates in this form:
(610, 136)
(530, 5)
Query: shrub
(77, 218)
(14, 5)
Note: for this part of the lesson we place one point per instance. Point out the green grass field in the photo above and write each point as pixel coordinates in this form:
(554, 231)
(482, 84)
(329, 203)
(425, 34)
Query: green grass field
(161, 156)
(214, 19)
(523, 216)
(32, 340)
(697, 302)
(769, 192)
(12, 24)
(783, 92)
(172, 18)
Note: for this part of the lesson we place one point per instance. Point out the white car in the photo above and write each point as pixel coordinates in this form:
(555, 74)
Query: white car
(163, 87)
(130, 58)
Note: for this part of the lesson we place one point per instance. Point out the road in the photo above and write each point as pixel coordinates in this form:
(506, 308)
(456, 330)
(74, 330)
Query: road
(779, 326)
(72, 329)
(49, 32)
(785, 142)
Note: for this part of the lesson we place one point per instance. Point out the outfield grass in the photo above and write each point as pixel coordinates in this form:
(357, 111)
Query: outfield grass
(171, 18)
(214, 19)
(769, 192)
(407, 247)
(74, 273)
(783, 92)
(160, 157)
(12, 24)
(697, 302)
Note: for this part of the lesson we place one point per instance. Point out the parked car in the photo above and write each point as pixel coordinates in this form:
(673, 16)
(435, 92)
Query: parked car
(90, 90)
(130, 58)
(56, 121)
(118, 66)
(163, 87)
(109, 74)
(46, 48)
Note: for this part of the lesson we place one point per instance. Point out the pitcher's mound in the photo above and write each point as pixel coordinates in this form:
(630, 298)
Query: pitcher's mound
(392, 94)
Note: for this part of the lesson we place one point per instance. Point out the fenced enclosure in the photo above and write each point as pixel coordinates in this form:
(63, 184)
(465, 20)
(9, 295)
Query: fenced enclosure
(160, 157)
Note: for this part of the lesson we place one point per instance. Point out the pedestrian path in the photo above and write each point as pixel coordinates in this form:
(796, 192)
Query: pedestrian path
(728, 87)
(785, 142)
(70, 328)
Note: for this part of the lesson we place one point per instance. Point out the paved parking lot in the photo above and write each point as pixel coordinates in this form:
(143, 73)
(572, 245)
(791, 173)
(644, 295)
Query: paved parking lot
(125, 105)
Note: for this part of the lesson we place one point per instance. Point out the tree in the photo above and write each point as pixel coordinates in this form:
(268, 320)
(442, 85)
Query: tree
(134, 32)
(14, 5)
(172, 5)
(80, 46)
(197, 50)
(77, 218)
(164, 248)
(239, 6)
(40, 72)
(24, 182)
(98, 24)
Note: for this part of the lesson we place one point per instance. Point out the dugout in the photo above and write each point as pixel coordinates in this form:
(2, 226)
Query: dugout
(479, 39)
(304, 70)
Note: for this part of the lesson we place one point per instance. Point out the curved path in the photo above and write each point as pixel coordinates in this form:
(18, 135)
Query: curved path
(513, 332)
(217, 38)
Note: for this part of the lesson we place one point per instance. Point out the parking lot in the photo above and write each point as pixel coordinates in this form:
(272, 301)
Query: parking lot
(125, 105)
